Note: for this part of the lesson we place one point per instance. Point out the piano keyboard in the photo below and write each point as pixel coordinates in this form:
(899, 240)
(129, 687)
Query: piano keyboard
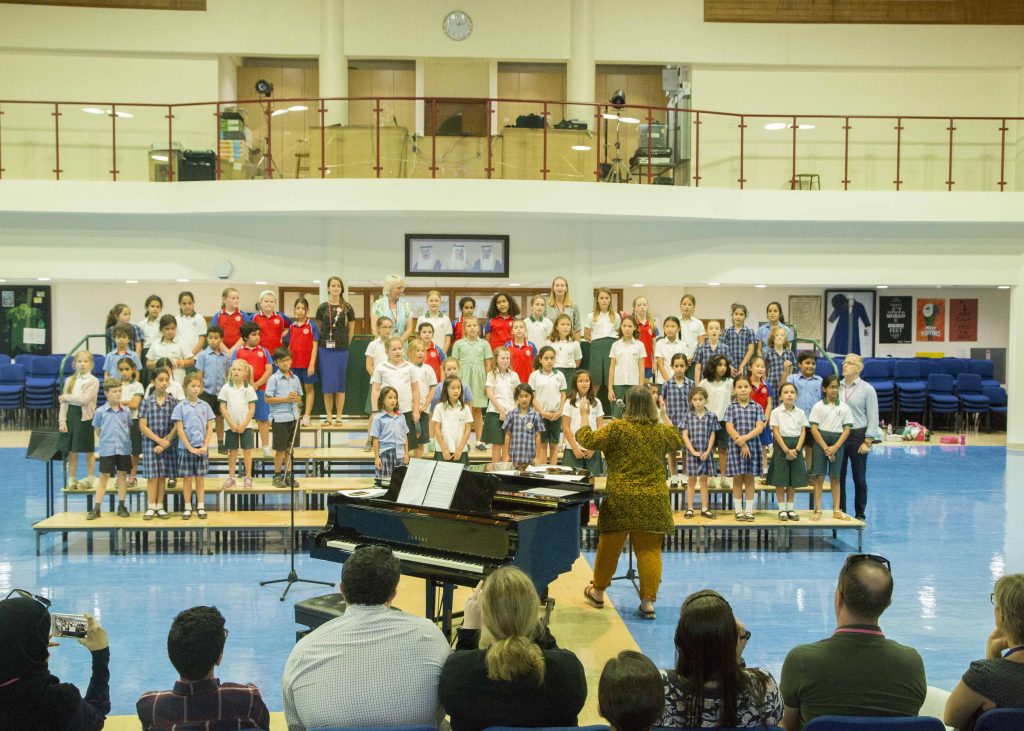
(418, 558)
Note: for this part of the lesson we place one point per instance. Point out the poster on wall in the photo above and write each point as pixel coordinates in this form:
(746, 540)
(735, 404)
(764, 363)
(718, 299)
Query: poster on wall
(963, 320)
(850, 321)
(805, 316)
(25, 320)
(931, 320)
(895, 313)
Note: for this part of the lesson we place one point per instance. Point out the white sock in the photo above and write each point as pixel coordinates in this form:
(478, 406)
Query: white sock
(789, 505)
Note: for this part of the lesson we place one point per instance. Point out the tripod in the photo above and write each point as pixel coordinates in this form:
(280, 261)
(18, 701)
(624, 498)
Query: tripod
(292, 577)
(617, 172)
(260, 170)
(631, 574)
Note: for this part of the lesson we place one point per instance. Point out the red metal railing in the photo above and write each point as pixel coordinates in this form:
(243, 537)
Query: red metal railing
(705, 148)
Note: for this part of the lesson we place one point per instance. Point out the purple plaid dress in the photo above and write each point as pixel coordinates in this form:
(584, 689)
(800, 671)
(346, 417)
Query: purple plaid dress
(705, 352)
(743, 419)
(522, 446)
(158, 419)
(699, 432)
(774, 364)
(677, 400)
(736, 343)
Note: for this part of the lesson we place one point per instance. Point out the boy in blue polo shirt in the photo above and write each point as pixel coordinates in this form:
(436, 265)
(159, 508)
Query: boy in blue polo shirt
(213, 364)
(808, 393)
(113, 425)
(284, 397)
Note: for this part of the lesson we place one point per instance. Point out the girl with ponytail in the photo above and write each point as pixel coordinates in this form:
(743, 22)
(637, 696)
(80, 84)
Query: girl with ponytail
(507, 669)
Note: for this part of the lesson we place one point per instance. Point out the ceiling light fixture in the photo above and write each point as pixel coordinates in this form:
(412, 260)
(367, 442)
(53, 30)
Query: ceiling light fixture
(1003, 286)
(760, 286)
(776, 125)
(882, 286)
(805, 126)
(181, 279)
(581, 148)
(43, 279)
(714, 284)
(131, 281)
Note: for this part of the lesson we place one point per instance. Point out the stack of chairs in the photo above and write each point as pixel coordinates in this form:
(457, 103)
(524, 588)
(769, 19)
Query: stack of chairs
(973, 402)
(41, 390)
(910, 393)
(986, 369)
(97, 370)
(878, 372)
(997, 402)
(12, 395)
(942, 398)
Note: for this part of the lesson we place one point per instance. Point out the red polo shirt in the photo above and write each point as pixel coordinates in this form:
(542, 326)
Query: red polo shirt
(522, 358)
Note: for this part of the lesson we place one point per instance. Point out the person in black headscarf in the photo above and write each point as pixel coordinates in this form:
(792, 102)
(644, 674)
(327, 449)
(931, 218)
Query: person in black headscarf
(32, 698)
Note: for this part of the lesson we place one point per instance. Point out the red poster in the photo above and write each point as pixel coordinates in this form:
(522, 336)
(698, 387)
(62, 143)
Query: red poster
(963, 320)
(931, 320)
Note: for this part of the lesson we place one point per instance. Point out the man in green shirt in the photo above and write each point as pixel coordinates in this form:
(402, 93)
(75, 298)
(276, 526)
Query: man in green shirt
(856, 671)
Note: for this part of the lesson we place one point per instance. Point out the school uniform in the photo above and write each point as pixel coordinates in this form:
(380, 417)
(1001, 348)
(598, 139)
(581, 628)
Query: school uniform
(112, 359)
(646, 332)
(775, 364)
(567, 354)
(76, 414)
(130, 390)
(737, 342)
(194, 418)
(442, 328)
(830, 419)
(150, 332)
(400, 377)
(522, 430)
(595, 463)
(719, 399)
(677, 399)
(391, 431)
(760, 396)
(538, 329)
(174, 350)
(699, 429)
(260, 359)
(787, 472)
(137, 338)
(503, 385)
(427, 381)
(467, 394)
(522, 357)
(377, 351)
(764, 331)
(665, 349)
(744, 419)
(190, 329)
(300, 338)
(499, 330)
(627, 363)
(690, 331)
(115, 439)
(433, 357)
(548, 389)
(272, 328)
(706, 351)
(236, 401)
(214, 367)
(158, 420)
(604, 331)
(231, 324)
(808, 391)
(472, 355)
(452, 423)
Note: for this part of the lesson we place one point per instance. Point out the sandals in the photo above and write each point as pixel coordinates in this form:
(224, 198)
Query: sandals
(740, 516)
(597, 604)
(201, 513)
(162, 514)
(840, 515)
(707, 514)
(688, 514)
(186, 514)
(149, 514)
(816, 515)
(645, 614)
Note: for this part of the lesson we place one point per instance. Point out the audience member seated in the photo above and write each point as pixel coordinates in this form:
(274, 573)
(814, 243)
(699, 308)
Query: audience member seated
(31, 698)
(856, 671)
(710, 685)
(629, 693)
(520, 677)
(195, 646)
(998, 680)
(373, 666)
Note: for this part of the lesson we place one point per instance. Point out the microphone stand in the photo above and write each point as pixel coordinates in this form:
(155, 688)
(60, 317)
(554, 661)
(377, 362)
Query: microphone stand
(292, 578)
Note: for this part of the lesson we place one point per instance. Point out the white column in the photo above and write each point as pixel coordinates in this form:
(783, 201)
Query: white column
(1015, 368)
(421, 112)
(227, 78)
(580, 71)
(333, 62)
(492, 93)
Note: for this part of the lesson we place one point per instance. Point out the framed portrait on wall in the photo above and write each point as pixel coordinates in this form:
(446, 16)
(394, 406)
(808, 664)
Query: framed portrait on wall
(850, 321)
(440, 255)
(804, 314)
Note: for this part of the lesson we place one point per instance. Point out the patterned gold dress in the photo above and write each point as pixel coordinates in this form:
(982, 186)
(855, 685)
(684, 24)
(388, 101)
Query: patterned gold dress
(636, 498)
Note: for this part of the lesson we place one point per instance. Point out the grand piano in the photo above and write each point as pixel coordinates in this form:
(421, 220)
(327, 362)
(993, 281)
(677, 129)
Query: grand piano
(495, 519)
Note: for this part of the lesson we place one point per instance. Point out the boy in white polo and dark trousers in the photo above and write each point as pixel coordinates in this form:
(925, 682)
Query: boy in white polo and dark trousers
(113, 425)
(284, 397)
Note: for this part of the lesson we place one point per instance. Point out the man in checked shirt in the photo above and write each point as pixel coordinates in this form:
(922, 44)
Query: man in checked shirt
(195, 646)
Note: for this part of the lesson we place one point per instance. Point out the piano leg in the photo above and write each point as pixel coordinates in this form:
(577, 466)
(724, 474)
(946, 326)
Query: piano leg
(442, 614)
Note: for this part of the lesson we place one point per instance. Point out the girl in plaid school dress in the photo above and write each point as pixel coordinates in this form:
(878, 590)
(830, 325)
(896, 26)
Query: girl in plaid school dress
(744, 421)
(194, 421)
(523, 428)
(159, 460)
(739, 340)
(675, 396)
(699, 428)
(778, 358)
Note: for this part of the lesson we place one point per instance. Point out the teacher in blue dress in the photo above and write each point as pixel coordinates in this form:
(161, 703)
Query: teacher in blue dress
(860, 396)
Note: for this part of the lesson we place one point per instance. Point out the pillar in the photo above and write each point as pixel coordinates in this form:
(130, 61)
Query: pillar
(581, 74)
(1015, 368)
(333, 62)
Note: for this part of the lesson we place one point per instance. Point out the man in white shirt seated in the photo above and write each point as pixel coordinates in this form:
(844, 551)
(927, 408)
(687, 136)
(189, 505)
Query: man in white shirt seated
(373, 666)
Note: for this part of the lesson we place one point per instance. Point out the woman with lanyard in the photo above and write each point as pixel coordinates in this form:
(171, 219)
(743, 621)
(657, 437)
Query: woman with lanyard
(336, 321)
(860, 396)
(560, 303)
(392, 306)
(998, 680)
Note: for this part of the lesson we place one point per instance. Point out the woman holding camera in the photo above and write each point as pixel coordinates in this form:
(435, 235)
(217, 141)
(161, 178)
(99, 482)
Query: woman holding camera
(710, 685)
(32, 698)
(519, 677)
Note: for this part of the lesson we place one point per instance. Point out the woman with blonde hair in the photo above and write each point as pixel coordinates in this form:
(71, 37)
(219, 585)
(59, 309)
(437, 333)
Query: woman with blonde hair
(507, 669)
(998, 680)
(560, 303)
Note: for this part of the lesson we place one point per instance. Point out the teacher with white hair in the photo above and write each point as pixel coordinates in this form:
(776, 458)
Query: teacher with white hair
(860, 396)
(392, 306)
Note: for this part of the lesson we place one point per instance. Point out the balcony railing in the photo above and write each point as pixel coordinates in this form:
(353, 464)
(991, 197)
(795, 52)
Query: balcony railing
(377, 137)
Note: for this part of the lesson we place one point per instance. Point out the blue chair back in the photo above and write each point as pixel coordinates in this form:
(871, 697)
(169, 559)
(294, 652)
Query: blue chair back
(984, 368)
(968, 383)
(44, 367)
(12, 374)
(953, 366)
(875, 723)
(1000, 719)
(996, 395)
(877, 369)
(940, 383)
(906, 370)
(25, 359)
(5, 359)
(927, 366)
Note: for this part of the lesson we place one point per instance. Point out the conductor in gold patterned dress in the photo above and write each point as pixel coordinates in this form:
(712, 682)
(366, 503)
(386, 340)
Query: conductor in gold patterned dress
(636, 502)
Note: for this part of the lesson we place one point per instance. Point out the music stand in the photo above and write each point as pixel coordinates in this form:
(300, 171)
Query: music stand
(631, 574)
(292, 578)
(43, 447)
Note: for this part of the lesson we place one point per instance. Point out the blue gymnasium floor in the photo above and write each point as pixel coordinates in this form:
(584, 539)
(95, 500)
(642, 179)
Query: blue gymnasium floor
(940, 514)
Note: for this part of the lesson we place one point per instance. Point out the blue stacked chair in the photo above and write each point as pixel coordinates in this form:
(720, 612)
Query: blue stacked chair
(972, 401)
(909, 387)
(997, 402)
(25, 360)
(1000, 719)
(12, 394)
(874, 723)
(928, 366)
(953, 366)
(984, 368)
(5, 359)
(878, 372)
(824, 367)
(941, 396)
(41, 389)
(97, 370)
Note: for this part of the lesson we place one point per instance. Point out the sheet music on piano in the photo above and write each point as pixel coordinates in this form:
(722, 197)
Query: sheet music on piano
(430, 484)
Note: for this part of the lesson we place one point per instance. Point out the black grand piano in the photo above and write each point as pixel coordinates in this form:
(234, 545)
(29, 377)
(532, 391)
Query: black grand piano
(494, 520)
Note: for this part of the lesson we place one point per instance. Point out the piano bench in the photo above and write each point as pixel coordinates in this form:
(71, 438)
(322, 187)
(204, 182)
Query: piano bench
(316, 611)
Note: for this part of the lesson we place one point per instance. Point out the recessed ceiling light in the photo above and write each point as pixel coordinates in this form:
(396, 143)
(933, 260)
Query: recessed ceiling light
(298, 108)
(629, 120)
(125, 115)
(805, 126)
(776, 125)
(513, 284)
(258, 282)
(278, 112)
(131, 281)
(760, 286)
(1001, 286)
(713, 284)
(316, 281)
(882, 286)
(3, 280)
(94, 110)
(181, 279)
(639, 284)
(43, 279)
(581, 148)
(938, 286)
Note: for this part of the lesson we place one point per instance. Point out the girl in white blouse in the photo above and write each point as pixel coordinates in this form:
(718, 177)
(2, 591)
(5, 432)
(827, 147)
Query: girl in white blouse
(831, 421)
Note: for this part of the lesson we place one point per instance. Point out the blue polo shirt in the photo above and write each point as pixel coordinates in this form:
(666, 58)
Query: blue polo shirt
(278, 387)
(215, 369)
(194, 418)
(113, 358)
(115, 430)
(808, 391)
(390, 430)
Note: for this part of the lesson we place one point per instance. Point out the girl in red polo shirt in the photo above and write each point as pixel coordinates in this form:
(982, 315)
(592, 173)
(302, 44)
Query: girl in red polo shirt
(762, 394)
(301, 339)
(646, 332)
(521, 350)
(230, 319)
(433, 356)
(272, 324)
(502, 311)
